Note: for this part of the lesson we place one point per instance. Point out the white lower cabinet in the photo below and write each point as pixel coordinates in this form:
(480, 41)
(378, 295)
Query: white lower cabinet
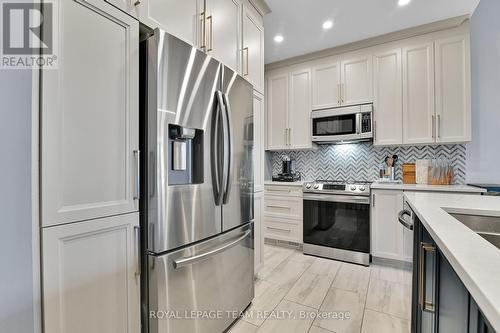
(283, 213)
(91, 276)
(258, 230)
(389, 239)
(386, 231)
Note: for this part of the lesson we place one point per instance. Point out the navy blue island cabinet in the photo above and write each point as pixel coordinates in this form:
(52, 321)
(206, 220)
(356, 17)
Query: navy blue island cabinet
(440, 301)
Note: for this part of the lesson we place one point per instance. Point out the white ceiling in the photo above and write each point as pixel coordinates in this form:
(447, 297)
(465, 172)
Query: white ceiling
(300, 21)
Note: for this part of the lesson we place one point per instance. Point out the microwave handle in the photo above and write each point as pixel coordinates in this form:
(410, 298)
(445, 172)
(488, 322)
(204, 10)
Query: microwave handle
(358, 123)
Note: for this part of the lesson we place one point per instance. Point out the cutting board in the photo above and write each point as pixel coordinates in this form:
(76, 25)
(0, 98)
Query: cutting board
(422, 171)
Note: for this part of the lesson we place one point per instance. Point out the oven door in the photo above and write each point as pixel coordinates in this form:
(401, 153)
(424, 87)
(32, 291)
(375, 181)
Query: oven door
(337, 221)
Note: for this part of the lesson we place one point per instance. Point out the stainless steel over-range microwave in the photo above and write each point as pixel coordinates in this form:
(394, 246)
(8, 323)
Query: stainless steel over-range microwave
(343, 124)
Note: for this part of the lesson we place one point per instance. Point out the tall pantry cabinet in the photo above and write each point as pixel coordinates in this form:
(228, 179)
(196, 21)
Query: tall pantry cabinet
(89, 165)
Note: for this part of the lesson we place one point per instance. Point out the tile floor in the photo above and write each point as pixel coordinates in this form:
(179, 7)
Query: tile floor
(304, 294)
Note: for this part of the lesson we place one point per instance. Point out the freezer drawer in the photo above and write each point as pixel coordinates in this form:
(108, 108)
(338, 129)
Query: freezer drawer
(214, 277)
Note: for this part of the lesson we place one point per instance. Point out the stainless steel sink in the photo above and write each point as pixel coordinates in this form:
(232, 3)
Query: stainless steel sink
(487, 227)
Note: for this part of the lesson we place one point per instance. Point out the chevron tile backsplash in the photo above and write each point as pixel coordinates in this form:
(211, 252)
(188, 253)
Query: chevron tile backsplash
(361, 161)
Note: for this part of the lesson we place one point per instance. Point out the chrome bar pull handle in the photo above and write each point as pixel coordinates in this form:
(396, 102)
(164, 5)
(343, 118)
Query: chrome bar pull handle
(338, 94)
(202, 32)
(438, 126)
(211, 34)
(424, 249)
(433, 126)
(245, 52)
(137, 158)
(137, 233)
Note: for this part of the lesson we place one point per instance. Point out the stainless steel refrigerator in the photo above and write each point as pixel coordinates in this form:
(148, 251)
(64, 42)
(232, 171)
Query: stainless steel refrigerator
(197, 190)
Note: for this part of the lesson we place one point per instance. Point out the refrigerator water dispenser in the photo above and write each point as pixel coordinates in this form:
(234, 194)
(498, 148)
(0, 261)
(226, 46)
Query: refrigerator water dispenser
(185, 155)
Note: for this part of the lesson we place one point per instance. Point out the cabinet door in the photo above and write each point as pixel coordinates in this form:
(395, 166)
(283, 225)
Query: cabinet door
(131, 7)
(357, 78)
(253, 48)
(222, 31)
(179, 18)
(90, 283)
(326, 85)
(453, 90)
(258, 141)
(388, 101)
(418, 94)
(453, 300)
(258, 230)
(386, 229)
(299, 116)
(90, 110)
(277, 111)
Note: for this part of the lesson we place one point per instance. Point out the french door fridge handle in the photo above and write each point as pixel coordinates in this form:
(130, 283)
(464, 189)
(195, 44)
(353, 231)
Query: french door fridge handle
(182, 262)
(228, 151)
(216, 150)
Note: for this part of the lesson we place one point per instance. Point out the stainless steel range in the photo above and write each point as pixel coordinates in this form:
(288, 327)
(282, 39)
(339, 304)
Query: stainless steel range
(337, 220)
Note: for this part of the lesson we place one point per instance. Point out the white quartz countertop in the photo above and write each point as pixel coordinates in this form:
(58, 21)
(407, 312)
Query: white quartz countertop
(298, 183)
(475, 260)
(424, 187)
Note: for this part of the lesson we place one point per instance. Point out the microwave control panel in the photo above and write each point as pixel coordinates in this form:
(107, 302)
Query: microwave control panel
(366, 123)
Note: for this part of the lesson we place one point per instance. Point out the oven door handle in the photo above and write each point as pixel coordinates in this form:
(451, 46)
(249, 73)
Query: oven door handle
(338, 198)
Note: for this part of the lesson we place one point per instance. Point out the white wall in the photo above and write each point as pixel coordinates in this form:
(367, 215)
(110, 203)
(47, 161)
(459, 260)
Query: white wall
(483, 153)
(16, 252)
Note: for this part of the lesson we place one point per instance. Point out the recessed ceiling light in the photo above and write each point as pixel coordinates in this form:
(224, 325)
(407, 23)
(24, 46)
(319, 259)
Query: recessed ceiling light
(403, 2)
(278, 38)
(327, 24)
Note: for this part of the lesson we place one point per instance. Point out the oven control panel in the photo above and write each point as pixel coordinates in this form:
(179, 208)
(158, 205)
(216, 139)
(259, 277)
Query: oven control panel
(337, 188)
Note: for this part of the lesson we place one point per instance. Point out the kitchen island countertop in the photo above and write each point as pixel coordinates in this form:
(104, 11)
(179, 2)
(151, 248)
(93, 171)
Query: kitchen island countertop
(475, 260)
(425, 187)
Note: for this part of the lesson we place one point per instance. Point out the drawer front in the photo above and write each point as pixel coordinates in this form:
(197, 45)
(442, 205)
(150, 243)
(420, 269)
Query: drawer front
(282, 230)
(293, 191)
(283, 207)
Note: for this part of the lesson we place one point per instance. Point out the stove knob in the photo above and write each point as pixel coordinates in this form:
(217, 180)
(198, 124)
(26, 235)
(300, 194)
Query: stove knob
(308, 186)
(362, 188)
(353, 187)
(316, 186)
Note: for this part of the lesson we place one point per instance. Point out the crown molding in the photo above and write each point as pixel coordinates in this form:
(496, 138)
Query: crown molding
(261, 6)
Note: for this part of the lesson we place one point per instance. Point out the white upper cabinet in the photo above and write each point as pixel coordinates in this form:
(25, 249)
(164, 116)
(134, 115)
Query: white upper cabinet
(222, 31)
(179, 18)
(277, 111)
(89, 116)
(90, 276)
(344, 80)
(131, 7)
(252, 66)
(299, 116)
(326, 85)
(289, 110)
(258, 141)
(356, 74)
(453, 91)
(387, 98)
(418, 94)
